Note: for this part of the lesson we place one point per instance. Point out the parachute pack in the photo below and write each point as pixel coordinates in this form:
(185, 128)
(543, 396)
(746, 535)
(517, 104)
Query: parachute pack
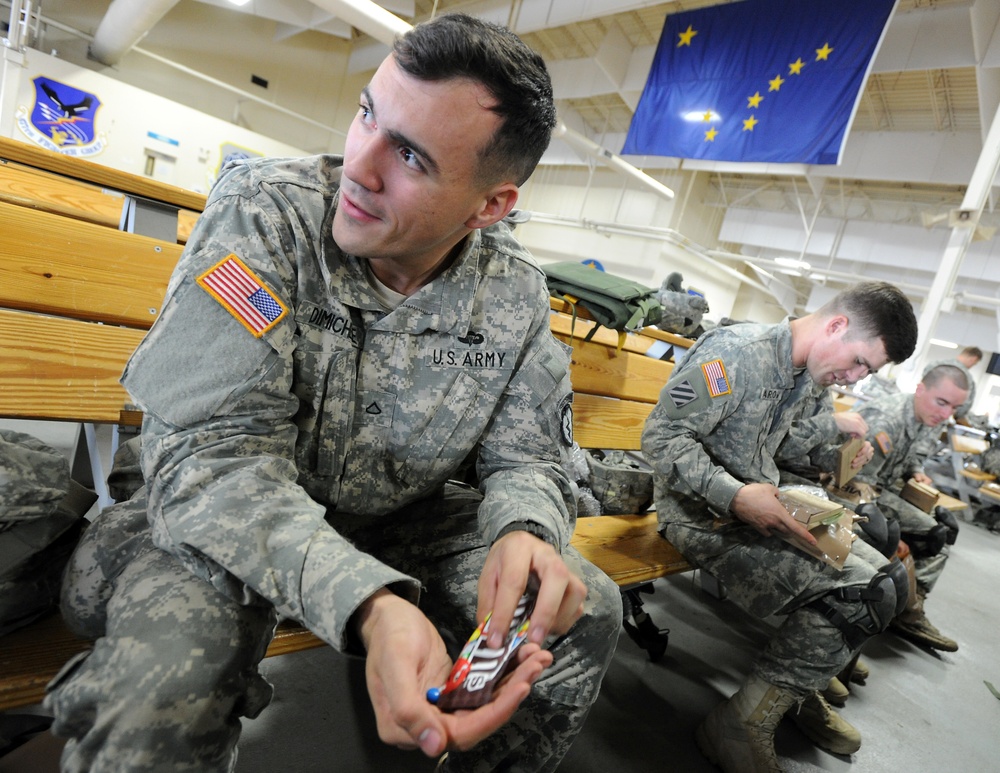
(612, 301)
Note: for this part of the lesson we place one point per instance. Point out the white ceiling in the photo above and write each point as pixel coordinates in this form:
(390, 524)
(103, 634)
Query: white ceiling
(917, 136)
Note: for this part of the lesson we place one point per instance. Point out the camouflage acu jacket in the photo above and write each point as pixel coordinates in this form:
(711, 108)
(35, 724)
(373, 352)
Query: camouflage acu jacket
(722, 416)
(277, 390)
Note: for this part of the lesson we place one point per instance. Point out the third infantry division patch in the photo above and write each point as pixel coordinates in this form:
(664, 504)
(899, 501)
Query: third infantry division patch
(682, 394)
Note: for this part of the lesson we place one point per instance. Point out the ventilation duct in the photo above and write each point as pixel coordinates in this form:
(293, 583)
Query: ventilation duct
(125, 24)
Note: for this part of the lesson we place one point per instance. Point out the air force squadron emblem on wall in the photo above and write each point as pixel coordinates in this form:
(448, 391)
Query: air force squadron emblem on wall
(62, 119)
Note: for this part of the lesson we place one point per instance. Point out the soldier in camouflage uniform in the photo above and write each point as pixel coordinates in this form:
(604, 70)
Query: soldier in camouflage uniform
(339, 335)
(929, 442)
(711, 440)
(901, 428)
(967, 359)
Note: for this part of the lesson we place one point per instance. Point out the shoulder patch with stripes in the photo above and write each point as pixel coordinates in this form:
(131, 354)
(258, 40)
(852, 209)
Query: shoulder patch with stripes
(884, 442)
(715, 376)
(682, 394)
(243, 294)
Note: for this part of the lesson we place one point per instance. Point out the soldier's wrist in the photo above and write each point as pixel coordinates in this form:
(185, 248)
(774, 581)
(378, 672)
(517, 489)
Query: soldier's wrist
(532, 528)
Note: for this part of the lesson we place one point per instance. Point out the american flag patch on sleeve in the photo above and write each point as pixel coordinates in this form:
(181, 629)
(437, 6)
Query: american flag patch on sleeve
(715, 377)
(243, 294)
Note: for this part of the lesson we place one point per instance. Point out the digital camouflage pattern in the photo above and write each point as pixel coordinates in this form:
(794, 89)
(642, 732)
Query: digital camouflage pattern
(314, 429)
(815, 427)
(41, 517)
(715, 429)
(900, 441)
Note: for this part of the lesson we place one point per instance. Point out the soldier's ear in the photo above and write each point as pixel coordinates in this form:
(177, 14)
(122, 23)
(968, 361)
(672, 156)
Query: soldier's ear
(496, 205)
(837, 324)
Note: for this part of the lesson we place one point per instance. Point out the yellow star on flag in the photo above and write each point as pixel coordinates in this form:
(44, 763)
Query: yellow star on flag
(707, 117)
(755, 100)
(823, 54)
(711, 134)
(749, 123)
(685, 37)
(775, 83)
(795, 68)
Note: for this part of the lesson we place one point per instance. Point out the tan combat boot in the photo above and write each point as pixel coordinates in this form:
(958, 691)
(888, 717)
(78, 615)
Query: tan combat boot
(860, 672)
(835, 692)
(913, 624)
(738, 734)
(824, 726)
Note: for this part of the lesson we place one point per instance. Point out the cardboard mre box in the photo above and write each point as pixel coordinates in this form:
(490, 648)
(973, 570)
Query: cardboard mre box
(920, 495)
(833, 540)
(846, 455)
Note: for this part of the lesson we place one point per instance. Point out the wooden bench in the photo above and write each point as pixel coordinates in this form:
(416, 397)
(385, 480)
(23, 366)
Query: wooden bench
(615, 386)
(76, 296)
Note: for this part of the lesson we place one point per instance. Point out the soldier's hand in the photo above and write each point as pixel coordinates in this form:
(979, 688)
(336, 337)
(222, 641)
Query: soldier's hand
(922, 477)
(757, 504)
(561, 593)
(850, 423)
(406, 656)
(863, 456)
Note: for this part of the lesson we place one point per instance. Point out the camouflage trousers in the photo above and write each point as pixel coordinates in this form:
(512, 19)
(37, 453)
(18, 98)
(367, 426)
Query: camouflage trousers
(175, 662)
(767, 576)
(913, 520)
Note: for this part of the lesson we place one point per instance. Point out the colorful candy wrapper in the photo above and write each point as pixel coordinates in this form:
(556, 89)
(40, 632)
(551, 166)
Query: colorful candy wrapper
(478, 668)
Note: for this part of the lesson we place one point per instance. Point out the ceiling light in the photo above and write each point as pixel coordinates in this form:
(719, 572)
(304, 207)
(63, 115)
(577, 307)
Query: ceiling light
(793, 263)
(698, 116)
(945, 344)
(239, 2)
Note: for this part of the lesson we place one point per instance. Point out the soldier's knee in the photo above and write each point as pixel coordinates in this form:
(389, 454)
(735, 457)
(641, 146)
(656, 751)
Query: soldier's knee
(878, 531)
(862, 612)
(929, 543)
(85, 591)
(604, 603)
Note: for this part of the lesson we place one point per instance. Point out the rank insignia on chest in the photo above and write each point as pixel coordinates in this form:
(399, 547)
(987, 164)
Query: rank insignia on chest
(715, 377)
(884, 442)
(243, 295)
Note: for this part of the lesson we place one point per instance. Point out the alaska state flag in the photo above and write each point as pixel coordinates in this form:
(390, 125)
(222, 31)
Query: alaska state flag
(760, 80)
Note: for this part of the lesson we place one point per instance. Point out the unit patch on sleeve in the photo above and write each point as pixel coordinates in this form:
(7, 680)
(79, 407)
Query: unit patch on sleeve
(566, 420)
(243, 294)
(715, 377)
(682, 394)
(884, 442)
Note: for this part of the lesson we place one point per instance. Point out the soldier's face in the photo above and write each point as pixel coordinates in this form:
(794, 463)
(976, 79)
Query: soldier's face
(934, 405)
(841, 358)
(409, 191)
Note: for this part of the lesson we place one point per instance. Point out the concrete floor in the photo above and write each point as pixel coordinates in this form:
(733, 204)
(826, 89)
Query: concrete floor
(920, 711)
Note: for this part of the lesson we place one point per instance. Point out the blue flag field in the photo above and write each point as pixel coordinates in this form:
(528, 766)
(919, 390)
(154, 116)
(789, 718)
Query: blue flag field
(761, 80)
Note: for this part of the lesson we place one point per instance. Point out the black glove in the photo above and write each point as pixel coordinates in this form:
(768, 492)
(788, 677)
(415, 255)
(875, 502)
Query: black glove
(947, 518)
(878, 531)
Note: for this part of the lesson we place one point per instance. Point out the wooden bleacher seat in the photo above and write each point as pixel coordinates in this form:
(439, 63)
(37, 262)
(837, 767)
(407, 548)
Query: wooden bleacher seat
(76, 188)
(614, 390)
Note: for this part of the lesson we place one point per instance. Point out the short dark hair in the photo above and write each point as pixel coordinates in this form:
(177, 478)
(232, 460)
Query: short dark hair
(938, 373)
(972, 351)
(878, 310)
(456, 45)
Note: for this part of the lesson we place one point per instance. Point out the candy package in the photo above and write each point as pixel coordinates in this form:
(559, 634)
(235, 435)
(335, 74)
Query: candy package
(479, 669)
